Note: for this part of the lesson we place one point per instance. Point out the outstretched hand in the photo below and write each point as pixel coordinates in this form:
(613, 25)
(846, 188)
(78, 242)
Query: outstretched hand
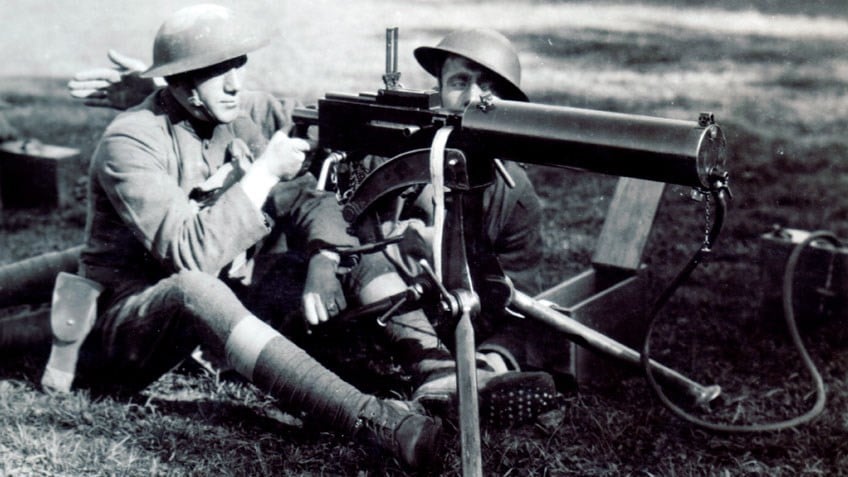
(119, 87)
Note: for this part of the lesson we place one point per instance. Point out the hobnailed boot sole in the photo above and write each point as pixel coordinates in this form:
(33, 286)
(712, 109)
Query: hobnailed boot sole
(505, 400)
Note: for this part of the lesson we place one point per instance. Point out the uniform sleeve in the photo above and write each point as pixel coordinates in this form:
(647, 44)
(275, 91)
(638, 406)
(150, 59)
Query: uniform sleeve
(514, 220)
(132, 164)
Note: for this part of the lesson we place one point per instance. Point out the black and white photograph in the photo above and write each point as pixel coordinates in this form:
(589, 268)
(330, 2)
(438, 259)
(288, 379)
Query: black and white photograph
(437, 238)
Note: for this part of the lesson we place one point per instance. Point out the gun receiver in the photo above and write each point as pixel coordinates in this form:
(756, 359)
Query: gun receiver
(390, 122)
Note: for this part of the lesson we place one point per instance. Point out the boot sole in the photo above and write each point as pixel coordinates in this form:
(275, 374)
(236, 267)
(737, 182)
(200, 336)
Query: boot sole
(506, 400)
(517, 398)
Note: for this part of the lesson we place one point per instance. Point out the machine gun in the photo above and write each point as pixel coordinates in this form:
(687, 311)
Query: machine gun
(459, 153)
(391, 122)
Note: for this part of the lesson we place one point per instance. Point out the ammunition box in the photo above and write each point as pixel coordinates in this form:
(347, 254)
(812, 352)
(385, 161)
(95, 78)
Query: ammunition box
(820, 284)
(33, 174)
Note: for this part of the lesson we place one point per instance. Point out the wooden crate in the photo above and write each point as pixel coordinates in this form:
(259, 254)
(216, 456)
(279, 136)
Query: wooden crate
(821, 278)
(33, 174)
(610, 296)
(607, 301)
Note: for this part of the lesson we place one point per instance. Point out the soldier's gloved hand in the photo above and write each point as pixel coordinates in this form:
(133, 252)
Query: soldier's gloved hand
(322, 294)
(119, 87)
(284, 156)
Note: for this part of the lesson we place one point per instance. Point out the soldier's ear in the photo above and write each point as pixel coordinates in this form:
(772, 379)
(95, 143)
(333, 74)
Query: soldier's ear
(194, 99)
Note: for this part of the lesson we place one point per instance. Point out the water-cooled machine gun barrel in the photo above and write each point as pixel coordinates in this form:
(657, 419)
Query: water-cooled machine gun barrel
(391, 122)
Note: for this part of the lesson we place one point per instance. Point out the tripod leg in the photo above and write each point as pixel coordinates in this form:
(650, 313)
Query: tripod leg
(469, 413)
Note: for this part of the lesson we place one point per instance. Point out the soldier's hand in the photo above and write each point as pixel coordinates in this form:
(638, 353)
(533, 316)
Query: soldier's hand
(322, 294)
(119, 87)
(284, 156)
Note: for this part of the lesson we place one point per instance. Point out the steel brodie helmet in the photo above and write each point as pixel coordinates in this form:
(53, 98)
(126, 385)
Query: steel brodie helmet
(485, 47)
(204, 35)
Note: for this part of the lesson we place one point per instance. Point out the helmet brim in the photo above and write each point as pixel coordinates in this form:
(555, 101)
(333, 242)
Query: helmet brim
(202, 61)
(432, 58)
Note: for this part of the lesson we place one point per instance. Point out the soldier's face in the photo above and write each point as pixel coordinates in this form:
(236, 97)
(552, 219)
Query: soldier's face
(217, 90)
(463, 81)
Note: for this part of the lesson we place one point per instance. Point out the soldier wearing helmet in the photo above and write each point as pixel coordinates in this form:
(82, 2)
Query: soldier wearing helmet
(466, 63)
(469, 64)
(184, 189)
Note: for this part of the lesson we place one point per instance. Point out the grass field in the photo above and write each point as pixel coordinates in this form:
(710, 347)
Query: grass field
(775, 74)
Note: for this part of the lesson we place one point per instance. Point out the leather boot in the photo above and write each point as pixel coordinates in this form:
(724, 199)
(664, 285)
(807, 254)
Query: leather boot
(506, 399)
(300, 383)
(399, 428)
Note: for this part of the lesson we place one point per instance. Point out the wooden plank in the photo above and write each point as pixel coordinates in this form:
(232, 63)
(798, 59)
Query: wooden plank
(628, 223)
